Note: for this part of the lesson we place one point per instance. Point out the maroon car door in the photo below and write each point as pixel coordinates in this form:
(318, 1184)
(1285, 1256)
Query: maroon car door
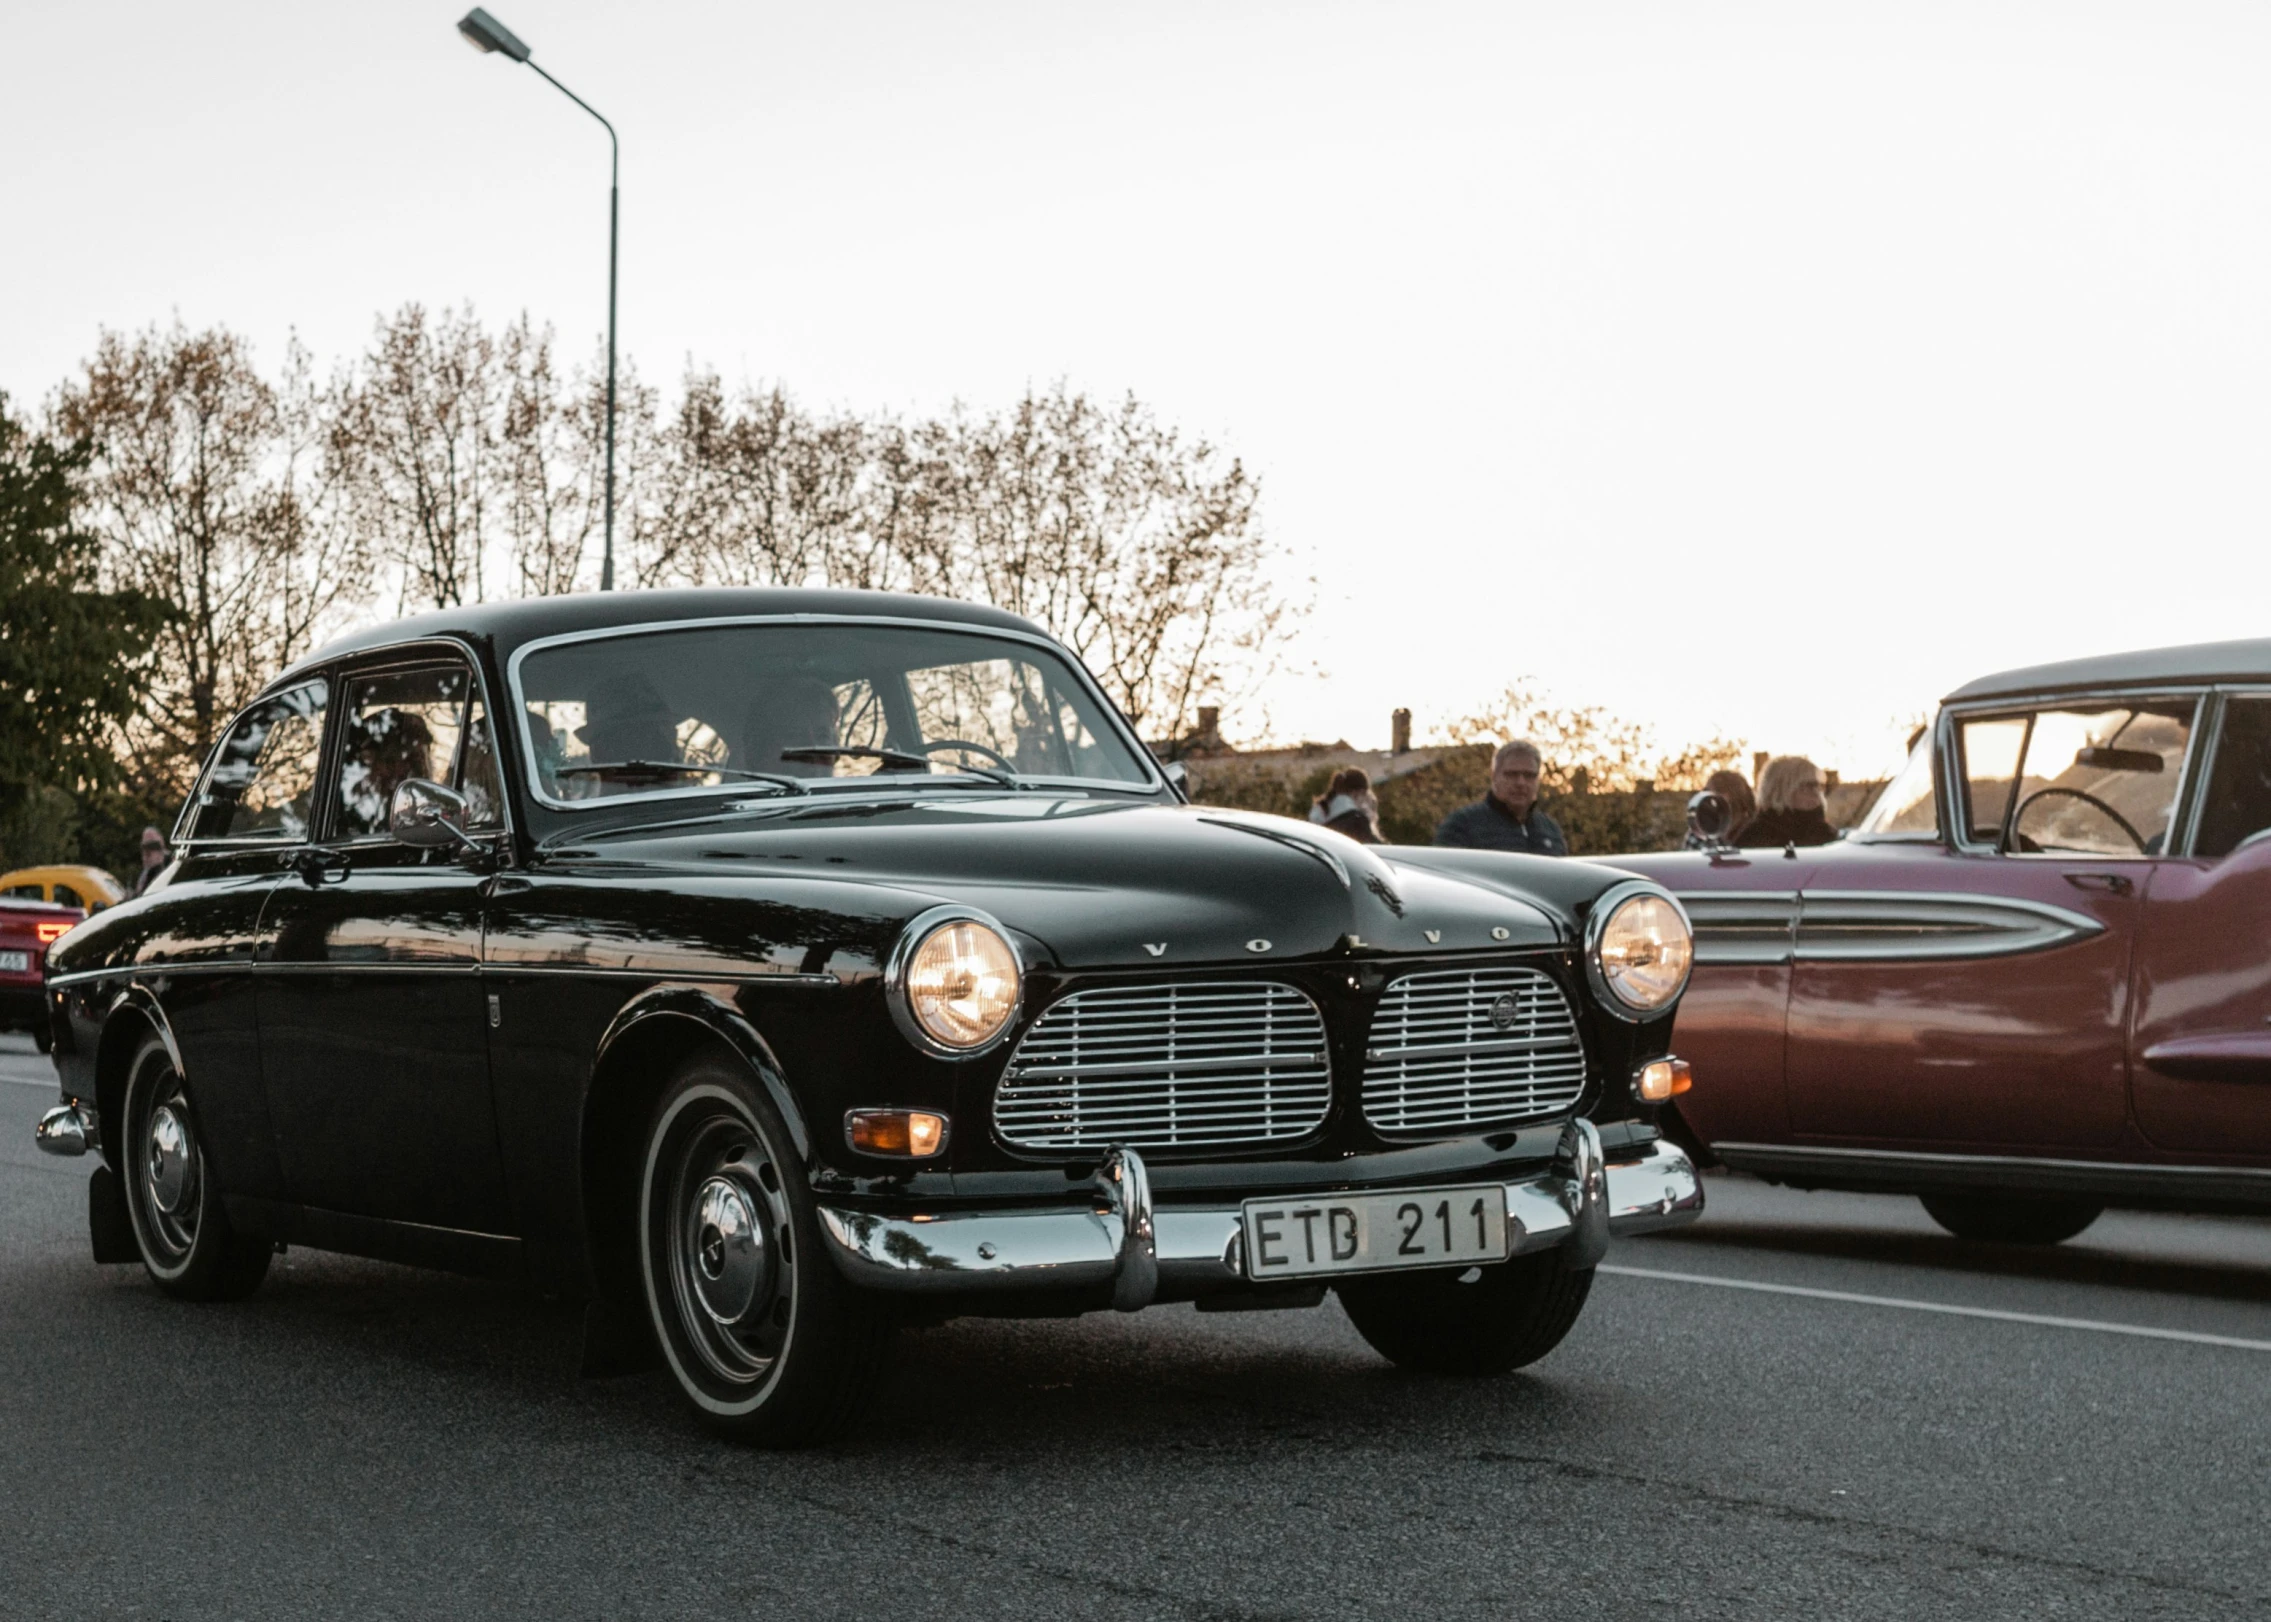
(2202, 1080)
(1973, 994)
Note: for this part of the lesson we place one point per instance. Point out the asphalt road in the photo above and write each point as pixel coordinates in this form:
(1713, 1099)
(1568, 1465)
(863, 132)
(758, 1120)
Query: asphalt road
(362, 1440)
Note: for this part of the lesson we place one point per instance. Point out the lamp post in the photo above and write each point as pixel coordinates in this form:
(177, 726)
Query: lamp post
(485, 34)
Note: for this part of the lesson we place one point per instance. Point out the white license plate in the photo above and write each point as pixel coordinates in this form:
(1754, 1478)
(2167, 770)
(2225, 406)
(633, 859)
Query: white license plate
(1372, 1233)
(15, 962)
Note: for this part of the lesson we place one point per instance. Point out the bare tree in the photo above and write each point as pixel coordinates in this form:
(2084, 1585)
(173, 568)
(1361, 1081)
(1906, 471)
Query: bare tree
(211, 491)
(416, 442)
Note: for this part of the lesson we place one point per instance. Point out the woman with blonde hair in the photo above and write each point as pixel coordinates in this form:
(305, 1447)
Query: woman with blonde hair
(1790, 793)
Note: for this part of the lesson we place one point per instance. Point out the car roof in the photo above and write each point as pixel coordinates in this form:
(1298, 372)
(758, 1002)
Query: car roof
(2199, 662)
(506, 626)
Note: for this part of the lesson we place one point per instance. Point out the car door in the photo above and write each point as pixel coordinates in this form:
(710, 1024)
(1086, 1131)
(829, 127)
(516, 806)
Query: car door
(2202, 1077)
(1976, 995)
(193, 944)
(374, 1032)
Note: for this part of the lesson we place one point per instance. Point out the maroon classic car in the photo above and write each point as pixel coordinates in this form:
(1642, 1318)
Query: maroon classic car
(2034, 981)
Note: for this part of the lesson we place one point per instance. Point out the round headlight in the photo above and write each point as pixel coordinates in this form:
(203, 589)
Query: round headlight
(1642, 951)
(960, 983)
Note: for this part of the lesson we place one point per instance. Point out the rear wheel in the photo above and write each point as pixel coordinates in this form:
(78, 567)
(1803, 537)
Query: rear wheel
(765, 1338)
(1486, 1320)
(180, 1226)
(2012, 1219)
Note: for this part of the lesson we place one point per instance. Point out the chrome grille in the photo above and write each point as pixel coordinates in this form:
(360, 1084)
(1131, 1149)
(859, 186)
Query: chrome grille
(1438, 1060)
(1182, 1066)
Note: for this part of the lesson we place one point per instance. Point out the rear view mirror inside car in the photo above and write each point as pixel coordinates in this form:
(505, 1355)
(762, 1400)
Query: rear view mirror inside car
(2120, 760)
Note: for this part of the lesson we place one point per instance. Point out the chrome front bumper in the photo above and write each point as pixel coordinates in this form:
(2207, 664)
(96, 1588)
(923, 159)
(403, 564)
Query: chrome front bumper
(1121, 1244)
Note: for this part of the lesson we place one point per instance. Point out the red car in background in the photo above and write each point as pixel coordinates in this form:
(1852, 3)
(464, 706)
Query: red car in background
(2034, 981)
(27, 930)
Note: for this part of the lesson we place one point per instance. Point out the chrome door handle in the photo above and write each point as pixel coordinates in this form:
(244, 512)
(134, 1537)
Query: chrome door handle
(2111, 883)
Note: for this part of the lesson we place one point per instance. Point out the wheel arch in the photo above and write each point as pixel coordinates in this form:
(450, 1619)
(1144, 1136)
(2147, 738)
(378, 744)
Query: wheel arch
(645, 1042)
(134, 1015)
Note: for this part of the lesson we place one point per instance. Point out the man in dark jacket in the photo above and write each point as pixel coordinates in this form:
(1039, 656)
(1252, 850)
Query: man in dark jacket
(1507, 818)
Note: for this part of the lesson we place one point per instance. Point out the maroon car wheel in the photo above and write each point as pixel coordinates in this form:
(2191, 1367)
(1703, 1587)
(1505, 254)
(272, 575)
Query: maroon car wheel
(2012, 1219)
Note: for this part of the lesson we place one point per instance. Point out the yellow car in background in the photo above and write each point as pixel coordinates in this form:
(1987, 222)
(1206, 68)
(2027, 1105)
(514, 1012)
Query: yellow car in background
(67, 885)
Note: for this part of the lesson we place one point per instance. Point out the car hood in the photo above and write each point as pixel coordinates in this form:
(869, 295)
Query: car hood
(1101, 883)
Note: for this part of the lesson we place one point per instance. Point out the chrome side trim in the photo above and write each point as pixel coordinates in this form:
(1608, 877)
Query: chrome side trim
(68, 1129)
(1739, 926)
(1579, 1202)
(1904, 1171)
(717, 976)
(1838, 926)
(1851, 926)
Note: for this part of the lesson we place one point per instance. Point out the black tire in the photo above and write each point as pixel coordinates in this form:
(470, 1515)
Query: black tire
(2012, 1219)
(180, 1225)
(765, 1337)
(1442, 1322)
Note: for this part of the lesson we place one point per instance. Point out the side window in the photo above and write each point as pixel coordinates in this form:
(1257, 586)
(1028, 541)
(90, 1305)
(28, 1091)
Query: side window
(398, 724)
(2100, 779)
(262, 781)
(2238, 801)
(21, 892)
(67, 897)
(1990, 750)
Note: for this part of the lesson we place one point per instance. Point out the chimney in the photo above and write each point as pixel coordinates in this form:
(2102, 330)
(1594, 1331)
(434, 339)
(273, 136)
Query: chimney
(1399, 733)
(1210, 727)
(1759, 758)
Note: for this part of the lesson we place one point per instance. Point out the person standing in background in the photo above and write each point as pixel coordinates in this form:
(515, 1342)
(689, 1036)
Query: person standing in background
(1790, 793)
(154, 859)
(1349, 807)
(1507, 817)
(1742, 805)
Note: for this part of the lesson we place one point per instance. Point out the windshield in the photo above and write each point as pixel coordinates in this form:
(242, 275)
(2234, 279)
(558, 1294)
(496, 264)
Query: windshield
(1907, 809)
(779, 708)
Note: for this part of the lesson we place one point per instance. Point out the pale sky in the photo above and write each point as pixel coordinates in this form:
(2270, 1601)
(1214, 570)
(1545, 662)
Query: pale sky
(1766, 369)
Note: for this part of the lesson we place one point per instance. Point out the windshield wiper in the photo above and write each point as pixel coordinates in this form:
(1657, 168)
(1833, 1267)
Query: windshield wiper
(655, 770)
(898, 757)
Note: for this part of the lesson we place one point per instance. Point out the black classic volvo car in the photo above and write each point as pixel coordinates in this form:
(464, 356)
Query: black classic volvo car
(776, 968)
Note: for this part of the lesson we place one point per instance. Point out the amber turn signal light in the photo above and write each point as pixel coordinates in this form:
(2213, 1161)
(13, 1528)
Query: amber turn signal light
(1661, 1079)
(51, 932)
(914, 1134)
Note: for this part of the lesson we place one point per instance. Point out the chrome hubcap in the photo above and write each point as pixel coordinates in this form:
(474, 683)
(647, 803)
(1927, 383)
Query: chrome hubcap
(732, 1266)
(721, 1222)
(172, 1175)
(171, 1169)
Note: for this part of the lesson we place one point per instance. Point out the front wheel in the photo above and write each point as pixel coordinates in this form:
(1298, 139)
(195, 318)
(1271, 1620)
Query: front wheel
(1486, 1320)
(2012, 1219)
(180, 1226)
(765, 1338)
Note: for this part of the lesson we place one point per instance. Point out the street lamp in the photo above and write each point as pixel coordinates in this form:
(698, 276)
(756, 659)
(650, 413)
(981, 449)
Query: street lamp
(485, 34)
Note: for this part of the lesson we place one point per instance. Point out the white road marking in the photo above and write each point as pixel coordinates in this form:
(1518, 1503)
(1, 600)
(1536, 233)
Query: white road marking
(1905, 1305)
(30, 1081)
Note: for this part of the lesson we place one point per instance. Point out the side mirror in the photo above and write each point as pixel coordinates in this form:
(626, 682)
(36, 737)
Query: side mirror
(427, 815)
(1176, 773)
(1709, 819)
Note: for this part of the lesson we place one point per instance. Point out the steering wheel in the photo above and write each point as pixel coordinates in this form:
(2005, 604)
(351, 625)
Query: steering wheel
(2119, 821)
(995, 756)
